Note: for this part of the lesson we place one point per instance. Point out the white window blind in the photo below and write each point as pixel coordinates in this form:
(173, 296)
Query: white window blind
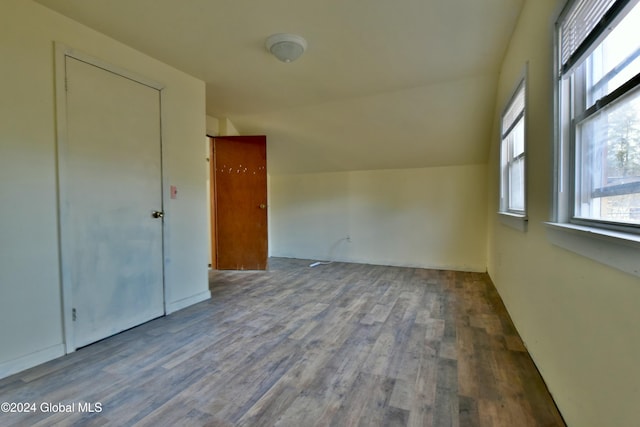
(514, 111)
(582, 22)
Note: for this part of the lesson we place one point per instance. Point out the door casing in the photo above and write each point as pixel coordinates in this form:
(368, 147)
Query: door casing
(62, 52)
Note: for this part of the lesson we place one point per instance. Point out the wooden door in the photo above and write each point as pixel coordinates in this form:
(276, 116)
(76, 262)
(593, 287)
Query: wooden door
(110, 185)
(240, 192)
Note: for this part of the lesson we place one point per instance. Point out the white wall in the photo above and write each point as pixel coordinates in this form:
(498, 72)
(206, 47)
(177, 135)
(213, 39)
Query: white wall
(213, 126)
(578, 318)
(227, 128)
(432, 217)
(30, 299)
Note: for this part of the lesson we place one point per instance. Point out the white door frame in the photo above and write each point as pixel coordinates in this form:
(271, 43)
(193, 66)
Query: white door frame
(63, 51)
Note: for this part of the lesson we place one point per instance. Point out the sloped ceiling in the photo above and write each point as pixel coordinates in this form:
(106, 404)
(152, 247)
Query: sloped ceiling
(383, 84)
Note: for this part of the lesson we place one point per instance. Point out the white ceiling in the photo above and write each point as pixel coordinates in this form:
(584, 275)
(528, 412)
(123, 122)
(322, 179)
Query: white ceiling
(383, 84)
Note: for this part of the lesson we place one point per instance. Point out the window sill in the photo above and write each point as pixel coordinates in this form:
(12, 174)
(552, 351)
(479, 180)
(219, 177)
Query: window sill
(515, 221)
(613, 248)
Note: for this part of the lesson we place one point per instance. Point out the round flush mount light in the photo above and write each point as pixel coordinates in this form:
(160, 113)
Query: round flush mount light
(286, 47)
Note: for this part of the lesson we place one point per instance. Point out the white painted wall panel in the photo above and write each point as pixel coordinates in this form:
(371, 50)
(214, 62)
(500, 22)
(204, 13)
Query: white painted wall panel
(431, 217)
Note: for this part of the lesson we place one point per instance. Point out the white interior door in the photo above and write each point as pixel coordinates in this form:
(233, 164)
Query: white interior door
(111, 184)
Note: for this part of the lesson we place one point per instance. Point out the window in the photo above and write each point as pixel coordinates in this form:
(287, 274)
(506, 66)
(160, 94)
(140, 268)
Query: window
(512, 157)
(598, 158)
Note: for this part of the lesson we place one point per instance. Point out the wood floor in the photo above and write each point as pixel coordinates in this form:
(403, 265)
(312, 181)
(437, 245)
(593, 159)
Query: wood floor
(333, 345)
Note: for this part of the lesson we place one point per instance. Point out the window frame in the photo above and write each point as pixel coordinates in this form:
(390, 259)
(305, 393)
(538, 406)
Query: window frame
(616, 247)
(571, 87)
(515, 218)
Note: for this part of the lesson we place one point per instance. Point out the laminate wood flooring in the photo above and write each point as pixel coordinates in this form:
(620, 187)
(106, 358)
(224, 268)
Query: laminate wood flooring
(334, 345)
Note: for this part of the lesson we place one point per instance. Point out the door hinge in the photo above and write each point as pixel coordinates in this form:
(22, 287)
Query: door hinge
(73, 314)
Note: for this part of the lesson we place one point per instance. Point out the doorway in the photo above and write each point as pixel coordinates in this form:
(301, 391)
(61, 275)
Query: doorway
(239, 202)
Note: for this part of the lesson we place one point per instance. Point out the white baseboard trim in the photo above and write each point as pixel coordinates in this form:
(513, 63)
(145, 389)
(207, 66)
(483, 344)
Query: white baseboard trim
(392, 263)
(186, 302)
(30, 360)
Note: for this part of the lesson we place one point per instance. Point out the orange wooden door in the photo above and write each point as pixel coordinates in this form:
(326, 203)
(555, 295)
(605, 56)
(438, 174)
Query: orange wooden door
(240, 175)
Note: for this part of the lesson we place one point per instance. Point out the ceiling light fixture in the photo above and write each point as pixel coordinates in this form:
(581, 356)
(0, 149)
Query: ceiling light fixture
(286, 47)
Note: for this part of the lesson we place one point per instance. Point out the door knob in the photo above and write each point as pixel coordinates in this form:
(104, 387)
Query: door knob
(262, 206)
(157, 214)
